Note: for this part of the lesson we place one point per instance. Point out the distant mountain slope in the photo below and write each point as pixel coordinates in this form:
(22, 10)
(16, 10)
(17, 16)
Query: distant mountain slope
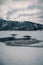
(16, 25)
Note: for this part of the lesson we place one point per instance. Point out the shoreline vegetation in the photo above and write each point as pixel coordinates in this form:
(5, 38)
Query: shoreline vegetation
(26, 41)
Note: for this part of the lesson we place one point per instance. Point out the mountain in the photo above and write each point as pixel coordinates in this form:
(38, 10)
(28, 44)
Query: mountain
(16, 25)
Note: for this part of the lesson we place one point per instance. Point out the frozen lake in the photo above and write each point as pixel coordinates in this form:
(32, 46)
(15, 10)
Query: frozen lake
(34, 34)
(10, 55)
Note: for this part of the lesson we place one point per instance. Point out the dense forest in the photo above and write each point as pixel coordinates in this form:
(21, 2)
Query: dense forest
(16, 25)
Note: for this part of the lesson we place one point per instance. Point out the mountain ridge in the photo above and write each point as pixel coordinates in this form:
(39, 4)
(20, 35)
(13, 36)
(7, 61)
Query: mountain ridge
(16, 25)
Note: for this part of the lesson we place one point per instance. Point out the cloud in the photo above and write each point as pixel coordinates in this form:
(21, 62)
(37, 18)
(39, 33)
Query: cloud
(2, 2)
(22, 10)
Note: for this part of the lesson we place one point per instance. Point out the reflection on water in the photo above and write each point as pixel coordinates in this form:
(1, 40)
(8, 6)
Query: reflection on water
(20, 55)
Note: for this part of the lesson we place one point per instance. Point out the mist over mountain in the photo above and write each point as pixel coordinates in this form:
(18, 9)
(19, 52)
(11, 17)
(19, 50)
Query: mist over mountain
(16, 25)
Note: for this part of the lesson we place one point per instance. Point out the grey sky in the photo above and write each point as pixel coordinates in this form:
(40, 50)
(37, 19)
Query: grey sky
(22, 10)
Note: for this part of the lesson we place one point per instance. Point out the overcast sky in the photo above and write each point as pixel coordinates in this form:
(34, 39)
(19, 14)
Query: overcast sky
(22, 10)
